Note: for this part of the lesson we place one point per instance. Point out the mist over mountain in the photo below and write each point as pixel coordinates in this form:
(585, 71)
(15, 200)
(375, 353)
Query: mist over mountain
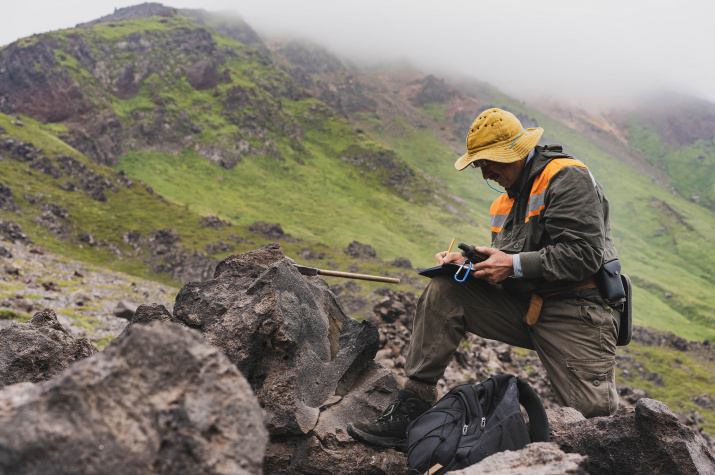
(589, 52)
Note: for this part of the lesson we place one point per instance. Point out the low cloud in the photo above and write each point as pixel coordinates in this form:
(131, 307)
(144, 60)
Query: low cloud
(593, 51)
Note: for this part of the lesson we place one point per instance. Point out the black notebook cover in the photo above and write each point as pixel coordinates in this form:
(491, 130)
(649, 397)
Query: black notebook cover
(447, 268)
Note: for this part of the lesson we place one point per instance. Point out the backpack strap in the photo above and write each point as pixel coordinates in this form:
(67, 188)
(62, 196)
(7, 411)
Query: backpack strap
(538, 422)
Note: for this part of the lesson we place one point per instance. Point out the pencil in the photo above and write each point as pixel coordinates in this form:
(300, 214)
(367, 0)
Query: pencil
(450, 246)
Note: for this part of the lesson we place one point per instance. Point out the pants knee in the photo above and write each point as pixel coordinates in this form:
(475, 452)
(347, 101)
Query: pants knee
(591, 386)
(436, 291)
(587, 385)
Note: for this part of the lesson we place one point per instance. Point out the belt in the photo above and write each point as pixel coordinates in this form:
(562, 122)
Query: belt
(537, 300)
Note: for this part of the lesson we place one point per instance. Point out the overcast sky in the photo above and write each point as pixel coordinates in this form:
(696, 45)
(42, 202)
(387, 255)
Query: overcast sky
(604, 50)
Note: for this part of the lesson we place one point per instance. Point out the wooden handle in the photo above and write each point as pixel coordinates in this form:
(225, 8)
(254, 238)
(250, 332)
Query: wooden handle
(348, 275)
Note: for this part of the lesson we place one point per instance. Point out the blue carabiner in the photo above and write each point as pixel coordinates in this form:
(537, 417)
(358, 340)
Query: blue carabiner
(466, 274)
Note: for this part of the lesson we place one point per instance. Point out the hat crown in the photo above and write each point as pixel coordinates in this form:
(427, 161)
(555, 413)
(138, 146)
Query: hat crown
(491, 128)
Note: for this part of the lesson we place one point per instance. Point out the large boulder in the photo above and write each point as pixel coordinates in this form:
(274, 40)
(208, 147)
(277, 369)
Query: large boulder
(309, 364)
(157, 400)
(38, 349)
(646, 439)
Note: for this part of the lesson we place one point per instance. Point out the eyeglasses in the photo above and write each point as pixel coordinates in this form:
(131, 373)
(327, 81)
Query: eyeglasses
(479, 163)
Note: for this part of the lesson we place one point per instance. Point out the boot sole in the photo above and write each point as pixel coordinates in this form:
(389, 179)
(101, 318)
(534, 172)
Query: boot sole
(389, 442)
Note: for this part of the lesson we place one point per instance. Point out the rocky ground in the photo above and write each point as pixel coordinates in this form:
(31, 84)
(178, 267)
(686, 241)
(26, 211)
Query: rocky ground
(90, 301)
(477, 359)
(263, 358)
(97, 303)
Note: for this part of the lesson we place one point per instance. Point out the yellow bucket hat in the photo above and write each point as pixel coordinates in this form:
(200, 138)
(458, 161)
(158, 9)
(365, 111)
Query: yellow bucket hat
(497, 135)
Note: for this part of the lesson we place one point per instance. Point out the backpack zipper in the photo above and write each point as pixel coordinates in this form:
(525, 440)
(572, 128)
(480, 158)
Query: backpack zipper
(467, 415)
(484, 422)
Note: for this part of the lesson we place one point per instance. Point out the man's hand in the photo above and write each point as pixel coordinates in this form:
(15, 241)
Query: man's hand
(498, 267)
(454, 257)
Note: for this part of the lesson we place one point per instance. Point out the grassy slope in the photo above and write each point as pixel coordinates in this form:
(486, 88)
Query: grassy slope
(137, 209)
(689, 168)
(684, 375)
(325, 199)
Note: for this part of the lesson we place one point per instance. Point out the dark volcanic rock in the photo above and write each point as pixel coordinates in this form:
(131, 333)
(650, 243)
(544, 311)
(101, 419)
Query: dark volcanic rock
(402, 262)
(157, 400)
(310, 365)
(646, 439)
(36, 85)
(217, 247)
(267, 230)
(307, 253)
(147, 313)
(38, 349)
(100, 136)
(55, 210)
(185, 266)
(162, 241)
(124, 310)
(396, 306)
(213, 222)
(203, 74)
(433, 90)
(358, 250)
(167, 256)
(12, 232)
(397, 173)
(7, 202)
(45, 165)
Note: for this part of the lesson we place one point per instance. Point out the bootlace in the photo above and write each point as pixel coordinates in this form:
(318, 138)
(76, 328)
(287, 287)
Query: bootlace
(396, 410)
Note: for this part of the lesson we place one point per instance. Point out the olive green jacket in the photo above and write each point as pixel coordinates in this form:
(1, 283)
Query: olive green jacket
(556, 217)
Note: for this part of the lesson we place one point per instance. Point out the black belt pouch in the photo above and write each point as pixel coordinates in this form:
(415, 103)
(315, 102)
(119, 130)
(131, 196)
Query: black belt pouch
(608, 280)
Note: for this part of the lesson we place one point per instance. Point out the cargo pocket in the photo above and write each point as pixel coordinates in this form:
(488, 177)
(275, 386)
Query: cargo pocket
(592, 386)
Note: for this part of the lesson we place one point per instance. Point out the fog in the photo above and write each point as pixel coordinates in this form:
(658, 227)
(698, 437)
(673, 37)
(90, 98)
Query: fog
(596, 52)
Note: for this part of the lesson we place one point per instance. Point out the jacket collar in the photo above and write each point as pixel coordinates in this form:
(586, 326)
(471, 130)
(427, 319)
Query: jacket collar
(535, 166)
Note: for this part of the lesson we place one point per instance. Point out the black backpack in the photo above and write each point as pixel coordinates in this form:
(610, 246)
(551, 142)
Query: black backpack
(471, 423)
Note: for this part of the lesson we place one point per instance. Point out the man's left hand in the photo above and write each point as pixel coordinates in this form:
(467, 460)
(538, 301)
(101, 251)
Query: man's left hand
(498, 267)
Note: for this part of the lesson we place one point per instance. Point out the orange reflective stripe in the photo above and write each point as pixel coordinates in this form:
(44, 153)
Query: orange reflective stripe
(433, 469)
(536, 197)
(499, 211)
(501, 207)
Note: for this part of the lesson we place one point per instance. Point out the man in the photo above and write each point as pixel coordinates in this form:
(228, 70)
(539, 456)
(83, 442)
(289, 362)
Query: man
(550, 236)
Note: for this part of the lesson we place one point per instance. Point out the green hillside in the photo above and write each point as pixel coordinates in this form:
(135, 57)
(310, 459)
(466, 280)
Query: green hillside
(690, 167)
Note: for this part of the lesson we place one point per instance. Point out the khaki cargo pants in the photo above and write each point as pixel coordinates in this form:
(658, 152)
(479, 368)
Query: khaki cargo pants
(575, 337)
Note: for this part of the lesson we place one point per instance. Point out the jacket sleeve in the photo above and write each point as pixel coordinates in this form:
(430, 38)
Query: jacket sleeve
(573, 223)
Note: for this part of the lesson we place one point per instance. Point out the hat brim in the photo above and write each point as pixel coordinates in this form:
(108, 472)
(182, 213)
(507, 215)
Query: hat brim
(504, 152)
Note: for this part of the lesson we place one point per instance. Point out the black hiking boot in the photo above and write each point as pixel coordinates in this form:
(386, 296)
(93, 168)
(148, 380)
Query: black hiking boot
(390, 427)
